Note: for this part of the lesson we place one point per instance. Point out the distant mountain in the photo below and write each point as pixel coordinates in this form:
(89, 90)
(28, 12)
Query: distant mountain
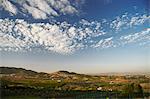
(29, 73)
(14, 70)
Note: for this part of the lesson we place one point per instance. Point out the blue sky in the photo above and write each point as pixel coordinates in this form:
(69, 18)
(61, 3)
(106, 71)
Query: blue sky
(85, 36)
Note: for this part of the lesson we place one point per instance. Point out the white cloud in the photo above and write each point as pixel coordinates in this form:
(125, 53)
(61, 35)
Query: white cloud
(118, 23)
(39, 9)
(125, 21)
(137, 20)
(104, 43)
(36, 13)
(68, 9)
(8, 6)
(61, 38)
(63, 6)
(136, 37)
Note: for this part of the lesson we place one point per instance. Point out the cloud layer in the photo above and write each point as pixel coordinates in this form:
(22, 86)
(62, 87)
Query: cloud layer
(64, 38)
(61, 37)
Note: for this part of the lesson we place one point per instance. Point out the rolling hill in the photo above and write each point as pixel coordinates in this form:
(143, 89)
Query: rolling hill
(25, 73)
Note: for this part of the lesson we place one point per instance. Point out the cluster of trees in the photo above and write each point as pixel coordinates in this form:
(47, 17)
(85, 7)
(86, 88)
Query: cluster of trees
(133, 89)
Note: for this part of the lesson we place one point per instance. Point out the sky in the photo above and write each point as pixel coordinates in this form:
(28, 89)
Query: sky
(83, 36)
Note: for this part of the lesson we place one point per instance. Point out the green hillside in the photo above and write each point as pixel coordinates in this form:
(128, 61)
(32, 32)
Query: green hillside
(14, 70)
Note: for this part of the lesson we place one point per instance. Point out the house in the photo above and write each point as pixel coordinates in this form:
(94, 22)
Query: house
(99, 88)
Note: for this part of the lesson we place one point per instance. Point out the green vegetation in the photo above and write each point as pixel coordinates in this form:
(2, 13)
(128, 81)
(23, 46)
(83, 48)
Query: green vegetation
(63, 84)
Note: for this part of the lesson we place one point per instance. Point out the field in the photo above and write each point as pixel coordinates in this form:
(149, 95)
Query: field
(19, 83)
